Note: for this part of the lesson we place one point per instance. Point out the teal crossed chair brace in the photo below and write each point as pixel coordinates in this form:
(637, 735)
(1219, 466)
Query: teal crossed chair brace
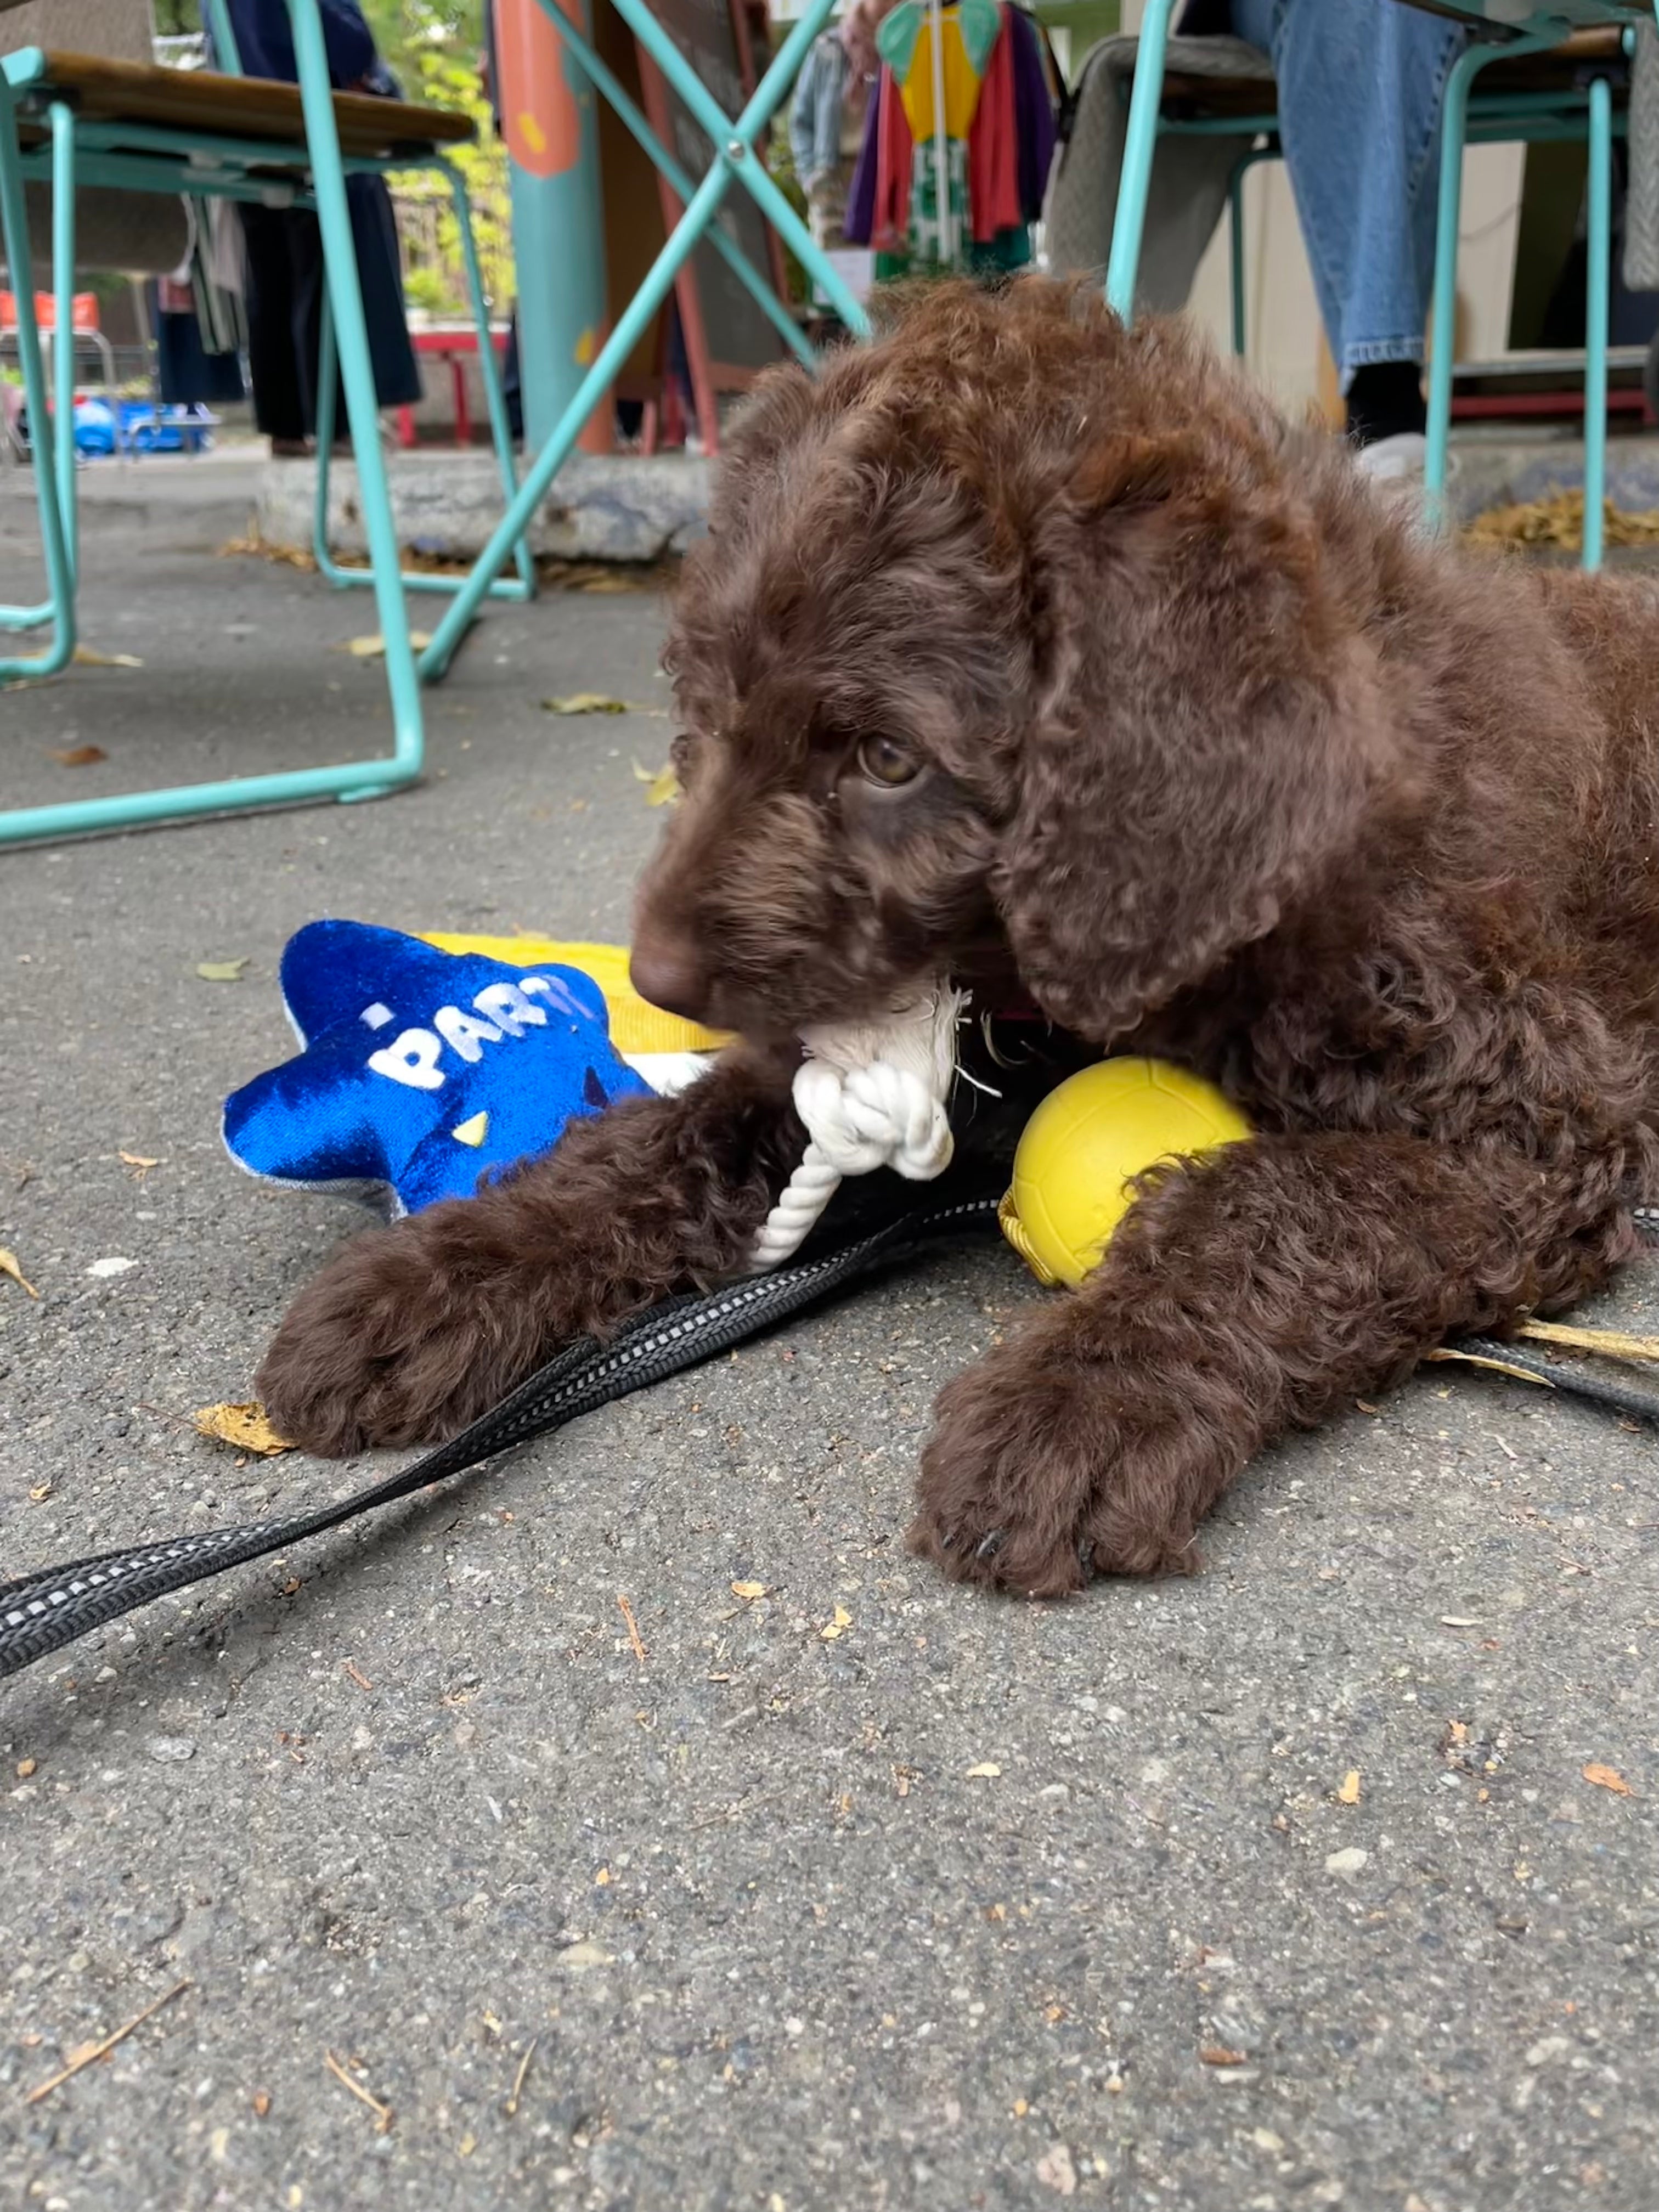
(45, 134)
(736, 160)
(1504, 30)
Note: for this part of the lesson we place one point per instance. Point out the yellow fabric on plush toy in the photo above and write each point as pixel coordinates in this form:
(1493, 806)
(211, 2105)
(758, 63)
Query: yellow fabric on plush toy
(636, 1026)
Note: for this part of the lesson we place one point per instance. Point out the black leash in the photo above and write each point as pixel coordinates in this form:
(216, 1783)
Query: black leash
(1513, 1356)
(40, 1613)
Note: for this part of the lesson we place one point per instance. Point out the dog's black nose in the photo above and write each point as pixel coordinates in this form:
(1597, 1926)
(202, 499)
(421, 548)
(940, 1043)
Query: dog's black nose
(666, 973)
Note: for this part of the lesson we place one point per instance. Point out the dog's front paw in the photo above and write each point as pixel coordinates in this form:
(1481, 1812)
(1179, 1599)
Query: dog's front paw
(394, 1343)
(1033, 1480)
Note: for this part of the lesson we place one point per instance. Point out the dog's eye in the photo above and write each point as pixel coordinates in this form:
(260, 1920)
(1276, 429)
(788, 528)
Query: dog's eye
(886, 761)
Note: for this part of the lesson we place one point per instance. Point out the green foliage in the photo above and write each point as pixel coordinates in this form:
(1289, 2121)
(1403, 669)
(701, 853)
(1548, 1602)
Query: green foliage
(442, 71)
(425, 289)
(400, 27)
(781, 161)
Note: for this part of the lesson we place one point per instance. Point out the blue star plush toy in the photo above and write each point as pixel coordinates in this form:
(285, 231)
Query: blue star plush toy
(422, 1069)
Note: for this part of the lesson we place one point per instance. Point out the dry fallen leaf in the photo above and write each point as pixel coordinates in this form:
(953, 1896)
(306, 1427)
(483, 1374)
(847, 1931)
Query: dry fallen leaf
(749, 1591)
(9, 1266)
(587, 702)
(1608, 1778)
(86, 657)
(221, 971)
(986, 1771)
(371, 648)
(293, 556)
(243, 1425)
(838, 1626)
(76, 755)
(39, 1491)
(1348, 1791)
(662, 785)
(1560, 520)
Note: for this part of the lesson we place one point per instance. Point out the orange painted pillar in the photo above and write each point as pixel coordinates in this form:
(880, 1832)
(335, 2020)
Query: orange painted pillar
(550, 123)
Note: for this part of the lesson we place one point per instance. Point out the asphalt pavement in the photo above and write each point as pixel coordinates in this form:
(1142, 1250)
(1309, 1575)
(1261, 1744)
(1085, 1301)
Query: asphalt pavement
(1324, 1878)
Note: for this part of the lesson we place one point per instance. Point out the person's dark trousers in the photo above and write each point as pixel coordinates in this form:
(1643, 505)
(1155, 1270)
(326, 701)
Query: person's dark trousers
(284, 309)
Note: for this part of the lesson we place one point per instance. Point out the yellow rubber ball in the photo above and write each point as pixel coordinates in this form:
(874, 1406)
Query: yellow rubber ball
(1085, 1143)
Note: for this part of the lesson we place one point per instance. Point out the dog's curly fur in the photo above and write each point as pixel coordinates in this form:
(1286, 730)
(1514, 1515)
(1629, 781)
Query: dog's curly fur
(1044, 651)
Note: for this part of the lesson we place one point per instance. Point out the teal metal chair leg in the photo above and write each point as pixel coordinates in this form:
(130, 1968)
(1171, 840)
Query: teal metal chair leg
(1124, 267)
(736, 160)
(1269, 151)
(60, 609)
(344, 780)
(1235, 253)
(1443, 352)
(63, 336)
(521, 587)
(501, 430)
(1598, 243)
(358, 374)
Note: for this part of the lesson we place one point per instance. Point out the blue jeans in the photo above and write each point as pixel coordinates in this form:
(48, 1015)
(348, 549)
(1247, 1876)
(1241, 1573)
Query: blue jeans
(1361, 89)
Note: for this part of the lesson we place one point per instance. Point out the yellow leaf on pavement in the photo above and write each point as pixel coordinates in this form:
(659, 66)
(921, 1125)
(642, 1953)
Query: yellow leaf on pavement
(1608, 1778)
(243, 1426)
(662, 785)
(587, 703)
(371, 648)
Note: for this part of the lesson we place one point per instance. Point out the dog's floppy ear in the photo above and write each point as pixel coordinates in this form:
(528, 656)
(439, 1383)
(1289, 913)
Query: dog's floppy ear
(1205, 735)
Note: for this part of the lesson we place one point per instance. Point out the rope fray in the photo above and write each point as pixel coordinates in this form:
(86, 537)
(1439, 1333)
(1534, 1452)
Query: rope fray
(871, 1095)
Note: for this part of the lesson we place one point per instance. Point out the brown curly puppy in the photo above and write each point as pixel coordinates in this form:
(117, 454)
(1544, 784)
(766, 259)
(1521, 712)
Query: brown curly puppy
(1045, 652)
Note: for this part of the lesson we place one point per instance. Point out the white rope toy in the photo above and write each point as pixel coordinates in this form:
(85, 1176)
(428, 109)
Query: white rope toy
(872, 1094)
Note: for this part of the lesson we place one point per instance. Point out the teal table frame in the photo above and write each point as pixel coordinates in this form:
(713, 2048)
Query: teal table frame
(1580, 112)
(161, 159)
(169, 161)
